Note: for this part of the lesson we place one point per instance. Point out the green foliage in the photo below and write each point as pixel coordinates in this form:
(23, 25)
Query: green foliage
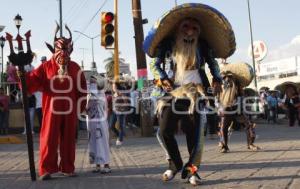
(109, 65)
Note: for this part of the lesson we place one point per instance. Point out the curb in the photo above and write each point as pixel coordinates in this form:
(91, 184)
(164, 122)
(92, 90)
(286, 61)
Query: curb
(11, 140)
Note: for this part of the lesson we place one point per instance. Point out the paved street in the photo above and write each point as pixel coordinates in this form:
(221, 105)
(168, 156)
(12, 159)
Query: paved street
(140, 162)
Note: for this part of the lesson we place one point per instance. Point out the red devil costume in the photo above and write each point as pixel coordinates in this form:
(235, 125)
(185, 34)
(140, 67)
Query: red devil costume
(64, 93)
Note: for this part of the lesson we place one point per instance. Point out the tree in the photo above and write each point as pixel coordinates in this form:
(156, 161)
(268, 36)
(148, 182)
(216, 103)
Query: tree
(109, 65)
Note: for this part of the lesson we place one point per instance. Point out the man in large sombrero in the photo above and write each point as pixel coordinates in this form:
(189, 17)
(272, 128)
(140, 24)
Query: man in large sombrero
(233, 104)
(187, 37)
(292, 101)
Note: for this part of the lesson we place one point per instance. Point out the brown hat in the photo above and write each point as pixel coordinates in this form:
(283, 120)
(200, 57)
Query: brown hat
(241, 71)
(215, 29)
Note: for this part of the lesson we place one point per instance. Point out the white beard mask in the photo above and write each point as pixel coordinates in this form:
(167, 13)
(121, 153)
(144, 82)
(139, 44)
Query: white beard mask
(184, 52)
(62, 72)
(185, 56)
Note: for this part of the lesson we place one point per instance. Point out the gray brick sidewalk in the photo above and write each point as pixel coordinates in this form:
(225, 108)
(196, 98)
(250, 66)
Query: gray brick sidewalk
(140, 162)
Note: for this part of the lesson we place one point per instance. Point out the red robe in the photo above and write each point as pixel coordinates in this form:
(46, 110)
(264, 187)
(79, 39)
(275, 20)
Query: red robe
(62, 103)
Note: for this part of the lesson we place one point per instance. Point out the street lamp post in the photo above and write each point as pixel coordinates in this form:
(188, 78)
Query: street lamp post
(92, 42)
(82, 62)
(18, 21)
(252, 50)
(252, 53)
(2, 42)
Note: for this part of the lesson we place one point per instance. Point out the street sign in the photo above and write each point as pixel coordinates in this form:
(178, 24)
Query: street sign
(260, 50)
(278, 67)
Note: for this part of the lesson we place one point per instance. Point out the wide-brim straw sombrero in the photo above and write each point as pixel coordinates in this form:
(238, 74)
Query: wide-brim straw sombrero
(283, 86)
(241, 71)
(215, 29)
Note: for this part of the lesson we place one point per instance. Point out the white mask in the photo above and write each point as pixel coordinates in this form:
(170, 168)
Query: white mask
(93, 88)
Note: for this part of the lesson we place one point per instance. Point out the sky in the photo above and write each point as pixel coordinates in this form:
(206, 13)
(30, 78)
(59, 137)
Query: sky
(275, 22)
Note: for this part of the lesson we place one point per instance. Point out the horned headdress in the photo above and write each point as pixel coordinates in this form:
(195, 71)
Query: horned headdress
(61, 42)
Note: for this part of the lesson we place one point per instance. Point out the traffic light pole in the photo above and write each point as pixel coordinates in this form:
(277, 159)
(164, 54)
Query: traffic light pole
(116, 44)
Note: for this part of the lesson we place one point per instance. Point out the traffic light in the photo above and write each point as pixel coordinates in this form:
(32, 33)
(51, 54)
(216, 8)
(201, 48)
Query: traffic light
(107, 28)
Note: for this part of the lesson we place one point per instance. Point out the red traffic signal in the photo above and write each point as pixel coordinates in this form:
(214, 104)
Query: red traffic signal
(108, 17)
(107, 29)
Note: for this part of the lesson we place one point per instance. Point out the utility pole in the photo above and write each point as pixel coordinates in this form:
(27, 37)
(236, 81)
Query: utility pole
(144, 104)
(60, 18)
(116, 45)
(139, 38)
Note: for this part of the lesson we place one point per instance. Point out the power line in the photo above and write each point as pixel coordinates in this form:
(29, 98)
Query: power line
(85, 28)
(71, 10)
(78, 12)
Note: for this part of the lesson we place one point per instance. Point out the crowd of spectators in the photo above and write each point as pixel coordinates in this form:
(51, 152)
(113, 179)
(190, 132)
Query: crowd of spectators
(275, 102)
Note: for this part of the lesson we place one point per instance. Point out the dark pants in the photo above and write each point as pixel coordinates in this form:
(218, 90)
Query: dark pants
(272, 114)
(293, 114)
(134, 118)
(228, 119)
(4, 115)
(39, 114)
(13, 91)
(112, 122)
(212, 123)
(191, 126)
(212, 119)
(266, 111)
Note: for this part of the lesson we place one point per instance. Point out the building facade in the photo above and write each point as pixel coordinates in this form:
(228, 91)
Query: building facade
(273, 73)
(124, 68)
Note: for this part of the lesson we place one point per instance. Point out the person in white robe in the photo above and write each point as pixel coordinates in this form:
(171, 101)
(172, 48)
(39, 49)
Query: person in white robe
(97, 127)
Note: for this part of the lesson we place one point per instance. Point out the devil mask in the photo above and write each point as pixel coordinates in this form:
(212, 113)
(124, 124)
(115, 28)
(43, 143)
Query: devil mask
(63, 47)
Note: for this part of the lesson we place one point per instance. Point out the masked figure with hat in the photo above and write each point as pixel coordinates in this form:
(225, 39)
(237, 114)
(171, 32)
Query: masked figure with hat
(232, 105)
(64, 97)
(187, 37)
